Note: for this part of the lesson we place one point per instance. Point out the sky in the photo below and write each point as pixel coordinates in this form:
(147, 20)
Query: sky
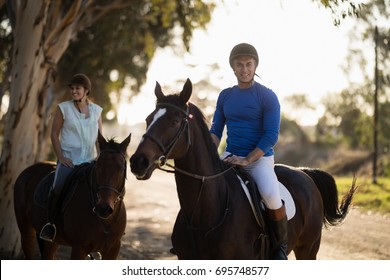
(300, 51)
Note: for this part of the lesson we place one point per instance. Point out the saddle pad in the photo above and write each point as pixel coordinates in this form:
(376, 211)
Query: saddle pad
(288, 201)
(284, 194)
(79, 173)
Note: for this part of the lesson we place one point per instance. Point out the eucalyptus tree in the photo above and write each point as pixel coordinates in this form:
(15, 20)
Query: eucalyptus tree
(44, 38)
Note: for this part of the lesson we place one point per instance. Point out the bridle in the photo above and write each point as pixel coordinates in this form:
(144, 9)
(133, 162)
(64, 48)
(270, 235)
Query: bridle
(96, 188)
(167, 150)
(184, 127)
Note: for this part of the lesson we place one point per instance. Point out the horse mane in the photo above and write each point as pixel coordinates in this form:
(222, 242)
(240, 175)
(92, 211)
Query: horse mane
(205, 132)
(112, 144)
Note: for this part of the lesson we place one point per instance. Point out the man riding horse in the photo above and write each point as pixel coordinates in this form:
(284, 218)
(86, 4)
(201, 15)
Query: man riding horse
(251, 113)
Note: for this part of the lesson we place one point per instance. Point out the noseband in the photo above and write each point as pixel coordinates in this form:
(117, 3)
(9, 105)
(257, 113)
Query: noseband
(184, 127)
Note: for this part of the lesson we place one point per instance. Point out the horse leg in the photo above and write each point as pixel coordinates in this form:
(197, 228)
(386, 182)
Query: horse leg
(28, 240)
(78, 253)
(112, 253)
(307, 251)
(48, 250)
(180, 239)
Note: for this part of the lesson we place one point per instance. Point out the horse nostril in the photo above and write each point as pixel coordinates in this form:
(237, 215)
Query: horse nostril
(138, 163)
(109, 211)
(104, 211)
(143, 162)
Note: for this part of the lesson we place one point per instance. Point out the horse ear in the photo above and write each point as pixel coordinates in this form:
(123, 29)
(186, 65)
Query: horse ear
(158, 92)
(185, 94)
(102, 142)
(125, 143)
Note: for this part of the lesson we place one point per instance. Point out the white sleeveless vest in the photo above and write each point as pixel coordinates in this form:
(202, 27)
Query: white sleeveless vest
(79, 134)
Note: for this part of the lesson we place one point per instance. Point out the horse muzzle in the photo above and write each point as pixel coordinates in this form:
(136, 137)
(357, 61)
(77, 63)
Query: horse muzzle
(106, 199)
(103, 211)
(141, 166)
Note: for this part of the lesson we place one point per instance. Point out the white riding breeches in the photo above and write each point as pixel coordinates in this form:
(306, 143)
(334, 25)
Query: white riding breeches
(263, 173)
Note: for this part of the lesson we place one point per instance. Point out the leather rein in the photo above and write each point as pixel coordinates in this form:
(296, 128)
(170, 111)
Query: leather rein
(162, 161)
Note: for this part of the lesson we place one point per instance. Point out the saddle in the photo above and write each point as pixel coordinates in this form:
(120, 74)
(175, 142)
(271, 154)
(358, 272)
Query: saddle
(263, 242)
(253, 195)
(79, 174)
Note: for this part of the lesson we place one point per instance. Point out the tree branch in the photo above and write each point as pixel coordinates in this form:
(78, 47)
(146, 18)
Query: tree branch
(103, 10)
(67, 20)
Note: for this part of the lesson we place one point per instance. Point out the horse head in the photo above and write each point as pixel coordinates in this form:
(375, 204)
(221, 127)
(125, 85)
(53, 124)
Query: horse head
(110, 175)
(167, 132)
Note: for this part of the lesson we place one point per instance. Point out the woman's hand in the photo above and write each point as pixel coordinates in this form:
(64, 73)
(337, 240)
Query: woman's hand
(66, 161)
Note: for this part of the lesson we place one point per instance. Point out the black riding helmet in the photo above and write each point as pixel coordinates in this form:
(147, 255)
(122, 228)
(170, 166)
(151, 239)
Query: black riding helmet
(81, 80)
(243, 49)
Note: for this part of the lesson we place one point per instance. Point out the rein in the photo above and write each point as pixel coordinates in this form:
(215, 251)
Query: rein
(162, 161)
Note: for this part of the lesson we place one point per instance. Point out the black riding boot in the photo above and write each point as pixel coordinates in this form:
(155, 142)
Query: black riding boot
(49, 230)
(278, 227)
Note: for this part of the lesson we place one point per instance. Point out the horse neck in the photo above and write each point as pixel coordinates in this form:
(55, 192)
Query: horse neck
(204, 200)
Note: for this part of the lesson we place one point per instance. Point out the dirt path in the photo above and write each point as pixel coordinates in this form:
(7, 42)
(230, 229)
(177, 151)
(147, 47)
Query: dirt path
(152, 207)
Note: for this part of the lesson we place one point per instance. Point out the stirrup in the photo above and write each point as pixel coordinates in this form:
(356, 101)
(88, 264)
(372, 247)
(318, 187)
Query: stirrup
(48, 232)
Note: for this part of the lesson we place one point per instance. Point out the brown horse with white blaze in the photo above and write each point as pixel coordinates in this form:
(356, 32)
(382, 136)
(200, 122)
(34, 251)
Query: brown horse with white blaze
(216, 220)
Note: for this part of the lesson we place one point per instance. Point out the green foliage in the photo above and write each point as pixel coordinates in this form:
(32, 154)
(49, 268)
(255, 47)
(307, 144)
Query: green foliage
(126, 40)
(369, 196)
(349, 115)
(374, 14)
(346, 119)
(386, 168)
(123, 39)
(291, 130)
(342, 9)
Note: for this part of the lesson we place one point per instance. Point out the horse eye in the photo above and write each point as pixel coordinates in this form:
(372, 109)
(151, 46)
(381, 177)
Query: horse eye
(174, 122)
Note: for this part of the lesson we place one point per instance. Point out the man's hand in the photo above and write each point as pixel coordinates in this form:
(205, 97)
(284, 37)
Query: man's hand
(238, 161)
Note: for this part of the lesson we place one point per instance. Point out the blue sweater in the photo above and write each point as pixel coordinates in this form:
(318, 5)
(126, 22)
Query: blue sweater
(252, 118)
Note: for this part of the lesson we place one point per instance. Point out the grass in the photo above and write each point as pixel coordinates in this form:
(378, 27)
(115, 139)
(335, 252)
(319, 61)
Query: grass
(368, 196)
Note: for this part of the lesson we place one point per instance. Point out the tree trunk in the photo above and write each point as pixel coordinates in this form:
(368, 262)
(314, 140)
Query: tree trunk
(27, 118)
(23, 118)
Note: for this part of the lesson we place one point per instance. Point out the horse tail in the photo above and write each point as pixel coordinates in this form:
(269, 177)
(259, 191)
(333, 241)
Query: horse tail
(326, 184)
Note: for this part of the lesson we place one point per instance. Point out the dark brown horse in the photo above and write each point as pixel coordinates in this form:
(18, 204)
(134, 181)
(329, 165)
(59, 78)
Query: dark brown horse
(215, 220)
(93, 219)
